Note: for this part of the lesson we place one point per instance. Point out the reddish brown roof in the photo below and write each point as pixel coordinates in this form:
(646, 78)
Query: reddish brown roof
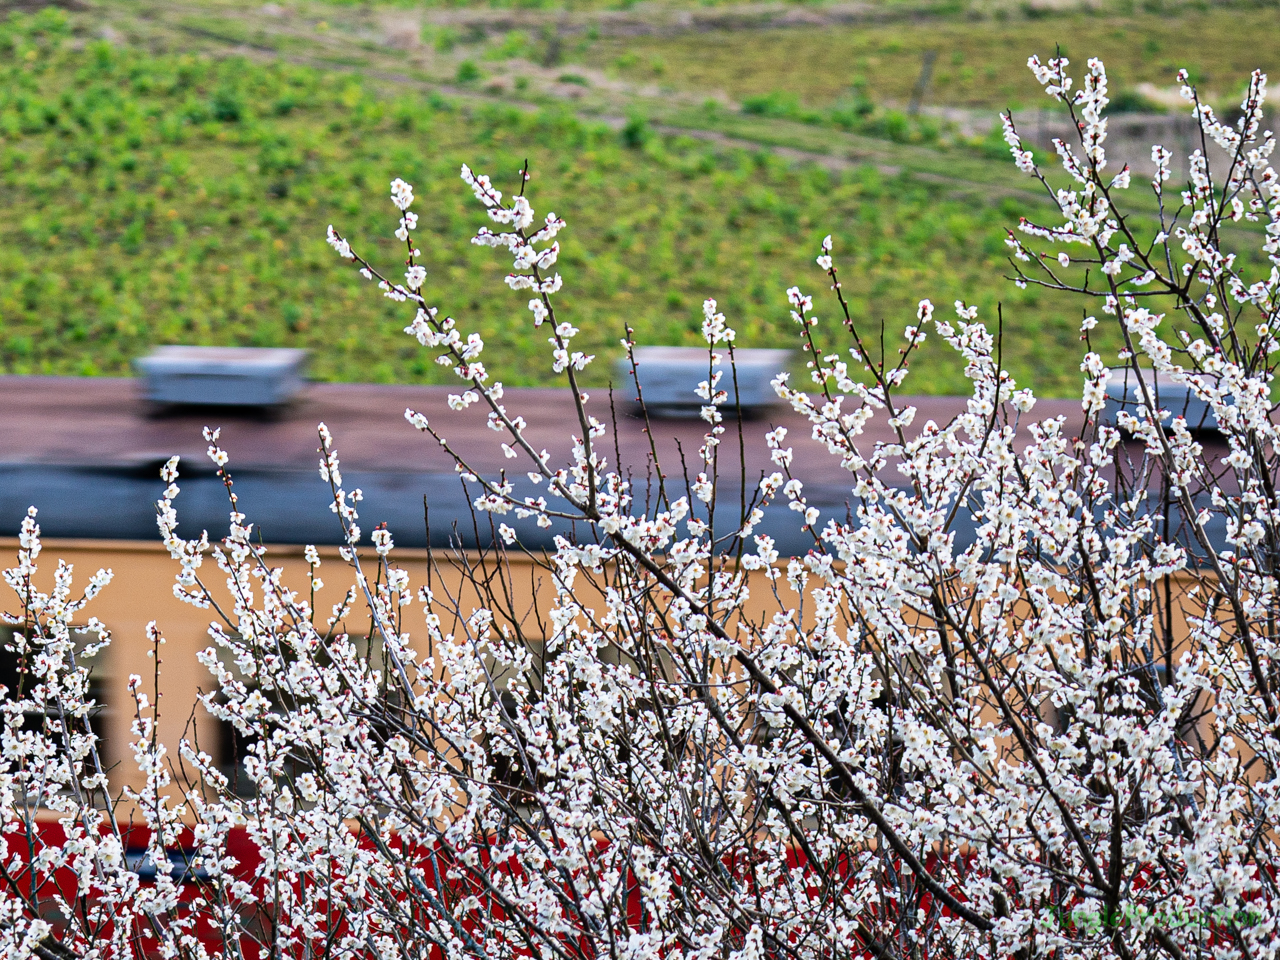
(68, 421)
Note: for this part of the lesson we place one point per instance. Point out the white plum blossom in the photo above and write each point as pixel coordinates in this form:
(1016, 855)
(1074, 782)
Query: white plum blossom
(1015, 695)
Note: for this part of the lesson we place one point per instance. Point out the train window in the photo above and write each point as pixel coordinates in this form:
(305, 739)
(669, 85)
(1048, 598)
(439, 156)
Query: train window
(182, 866)
(509, 765)
(11, 672)
(510, 768)
(16, 678)
(232, 749)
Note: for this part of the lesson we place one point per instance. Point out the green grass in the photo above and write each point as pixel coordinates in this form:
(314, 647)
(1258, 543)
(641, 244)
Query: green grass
(158, 198)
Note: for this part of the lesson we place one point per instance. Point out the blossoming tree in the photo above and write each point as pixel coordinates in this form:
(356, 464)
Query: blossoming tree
(1055, 737)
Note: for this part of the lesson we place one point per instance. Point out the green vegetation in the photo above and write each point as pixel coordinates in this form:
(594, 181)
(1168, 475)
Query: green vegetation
(154, 195)
(178, 199)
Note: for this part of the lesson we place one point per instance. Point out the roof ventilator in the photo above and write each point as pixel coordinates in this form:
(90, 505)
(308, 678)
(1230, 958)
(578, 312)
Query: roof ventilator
(669, 378)
(251, 377)
(1177, 398)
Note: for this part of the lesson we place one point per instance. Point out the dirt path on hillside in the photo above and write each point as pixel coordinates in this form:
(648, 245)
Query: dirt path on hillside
(665, 22)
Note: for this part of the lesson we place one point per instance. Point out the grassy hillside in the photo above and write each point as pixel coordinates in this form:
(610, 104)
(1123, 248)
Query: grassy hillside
(978, 63)
(160, 197)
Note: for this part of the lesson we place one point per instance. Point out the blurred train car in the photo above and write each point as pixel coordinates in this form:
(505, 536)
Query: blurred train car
(87, 454)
